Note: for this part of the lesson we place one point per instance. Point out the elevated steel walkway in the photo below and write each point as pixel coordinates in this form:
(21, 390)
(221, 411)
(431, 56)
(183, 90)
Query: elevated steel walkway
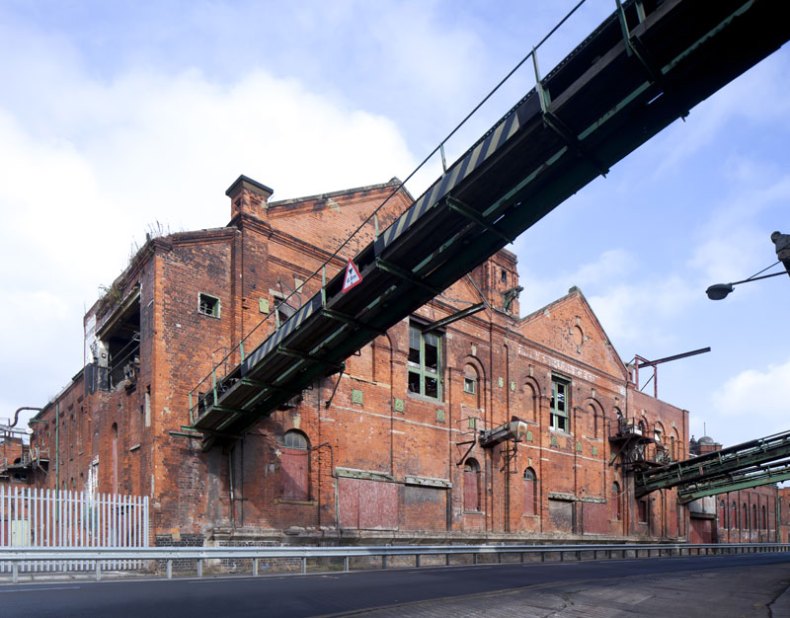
(751, 464)
(649, 63)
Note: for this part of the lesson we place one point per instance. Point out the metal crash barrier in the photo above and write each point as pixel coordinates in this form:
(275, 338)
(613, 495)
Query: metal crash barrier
(193, 561)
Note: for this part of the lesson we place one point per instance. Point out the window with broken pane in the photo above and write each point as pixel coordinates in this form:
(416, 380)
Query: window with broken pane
(425, 362)
(208, 305)
(559, 418)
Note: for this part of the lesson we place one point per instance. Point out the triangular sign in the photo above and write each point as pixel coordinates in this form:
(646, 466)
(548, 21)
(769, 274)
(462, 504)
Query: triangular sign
(352, 276)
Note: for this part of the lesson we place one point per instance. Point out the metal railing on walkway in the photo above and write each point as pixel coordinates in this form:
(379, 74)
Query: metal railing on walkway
(253, 561)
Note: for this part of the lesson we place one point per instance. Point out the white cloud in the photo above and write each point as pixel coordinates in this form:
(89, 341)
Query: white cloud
(634, 310)
(759, 395)
(149, 147)
(730, 107)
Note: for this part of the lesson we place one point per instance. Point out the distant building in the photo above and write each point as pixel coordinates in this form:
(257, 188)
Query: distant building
(751, 515)
(487, 427)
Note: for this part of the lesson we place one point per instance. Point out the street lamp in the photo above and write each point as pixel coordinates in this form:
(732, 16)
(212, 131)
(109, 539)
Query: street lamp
(782, 241)
(721, 290)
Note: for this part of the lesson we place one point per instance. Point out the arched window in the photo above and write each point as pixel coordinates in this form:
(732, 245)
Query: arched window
(618, 509)
(755, 523)
(595, 421)
(530, 492)
(621, 422)
(530, 402)
(472, 385)
(471, 485)
(722, 514)
(295, 466)
(765, 518)
(658, 433)
(745, 518)
(733, 515)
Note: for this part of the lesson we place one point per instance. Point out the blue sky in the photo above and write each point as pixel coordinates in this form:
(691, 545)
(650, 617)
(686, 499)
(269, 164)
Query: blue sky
(119, 117)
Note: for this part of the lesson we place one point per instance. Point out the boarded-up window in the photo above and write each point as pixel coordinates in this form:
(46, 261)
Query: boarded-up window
(295, 466)
(561, 515)
(617, 502)
(471, 485)
(367, 504)
(530, 492)
(643, 510)
(530, 403)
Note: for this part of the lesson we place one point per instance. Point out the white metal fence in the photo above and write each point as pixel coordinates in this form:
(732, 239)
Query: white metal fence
(39, 518)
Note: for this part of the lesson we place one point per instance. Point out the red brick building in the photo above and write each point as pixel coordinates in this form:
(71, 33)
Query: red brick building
(751, 515)
(487, 427)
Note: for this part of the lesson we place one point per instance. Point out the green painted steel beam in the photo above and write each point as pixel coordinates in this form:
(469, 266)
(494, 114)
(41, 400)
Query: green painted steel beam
(726, 461)
(467, 212)
(407, 276)
(458, 315)
(686, 496)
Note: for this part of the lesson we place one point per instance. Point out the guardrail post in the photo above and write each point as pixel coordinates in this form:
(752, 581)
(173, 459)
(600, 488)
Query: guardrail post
(384, 562)
(98, 570)
(199, 567)
(304, 566)
(346, 564)
(169, 569)
(254, 567)
(474, 558)
(15, 572)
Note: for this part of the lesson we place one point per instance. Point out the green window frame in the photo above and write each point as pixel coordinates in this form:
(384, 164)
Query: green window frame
(559, 417)
(425, 363)
(208, 305)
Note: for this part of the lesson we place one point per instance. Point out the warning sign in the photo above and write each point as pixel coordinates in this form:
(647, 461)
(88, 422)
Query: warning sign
(352, 276)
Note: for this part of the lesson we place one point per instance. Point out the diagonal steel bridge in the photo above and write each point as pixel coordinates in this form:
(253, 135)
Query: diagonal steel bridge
(759, 462)
(646, 65)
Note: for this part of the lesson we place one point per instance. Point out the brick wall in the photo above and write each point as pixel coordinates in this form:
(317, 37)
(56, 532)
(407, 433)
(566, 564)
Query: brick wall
(381, 461)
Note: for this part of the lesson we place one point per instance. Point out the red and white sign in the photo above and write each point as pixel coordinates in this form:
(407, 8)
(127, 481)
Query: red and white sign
(352, 276)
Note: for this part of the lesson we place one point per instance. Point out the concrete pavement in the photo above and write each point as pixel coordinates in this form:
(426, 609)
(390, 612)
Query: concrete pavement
(759, 591)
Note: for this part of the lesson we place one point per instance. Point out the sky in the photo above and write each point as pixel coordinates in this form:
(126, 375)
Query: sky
(119, 118)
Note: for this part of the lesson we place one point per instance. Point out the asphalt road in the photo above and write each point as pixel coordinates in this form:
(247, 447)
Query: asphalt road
(746, 585)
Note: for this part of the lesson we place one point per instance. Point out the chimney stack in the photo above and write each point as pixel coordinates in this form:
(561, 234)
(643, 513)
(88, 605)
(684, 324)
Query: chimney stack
(249, 197)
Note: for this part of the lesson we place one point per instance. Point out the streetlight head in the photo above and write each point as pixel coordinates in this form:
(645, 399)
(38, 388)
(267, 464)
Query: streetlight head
(719, 290)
